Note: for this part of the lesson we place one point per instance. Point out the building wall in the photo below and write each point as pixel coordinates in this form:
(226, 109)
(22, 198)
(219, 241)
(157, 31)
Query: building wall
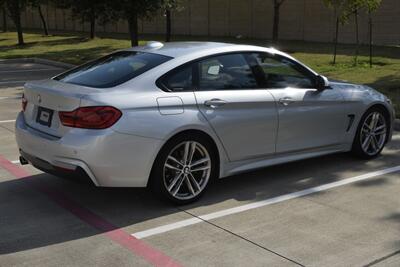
(307, 20)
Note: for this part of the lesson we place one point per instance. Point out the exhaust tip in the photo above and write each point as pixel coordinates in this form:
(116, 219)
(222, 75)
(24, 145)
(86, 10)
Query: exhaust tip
(23, 161)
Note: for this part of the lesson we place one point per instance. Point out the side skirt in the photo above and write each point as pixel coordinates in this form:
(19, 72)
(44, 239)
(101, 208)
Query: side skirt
(232, 168)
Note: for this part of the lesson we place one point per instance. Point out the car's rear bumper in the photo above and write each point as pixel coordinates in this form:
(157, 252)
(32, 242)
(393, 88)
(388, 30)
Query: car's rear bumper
(77, 173)
(109, 158)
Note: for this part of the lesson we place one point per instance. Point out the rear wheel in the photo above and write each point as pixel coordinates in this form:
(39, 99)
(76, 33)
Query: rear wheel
(184, 168)
(371, 134)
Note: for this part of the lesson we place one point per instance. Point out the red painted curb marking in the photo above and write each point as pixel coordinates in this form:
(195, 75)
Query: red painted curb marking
(116, 234)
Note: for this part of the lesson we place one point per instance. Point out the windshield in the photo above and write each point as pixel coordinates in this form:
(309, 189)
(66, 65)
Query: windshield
(112, 70)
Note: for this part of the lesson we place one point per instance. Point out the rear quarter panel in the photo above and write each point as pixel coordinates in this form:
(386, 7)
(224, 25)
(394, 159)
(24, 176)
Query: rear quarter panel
(152, 113)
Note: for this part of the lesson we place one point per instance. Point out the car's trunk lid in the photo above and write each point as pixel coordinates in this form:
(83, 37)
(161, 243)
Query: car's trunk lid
(45, 99)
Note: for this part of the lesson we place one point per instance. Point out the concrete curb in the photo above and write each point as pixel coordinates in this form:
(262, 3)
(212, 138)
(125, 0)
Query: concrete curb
(39, 61)
(397, 124)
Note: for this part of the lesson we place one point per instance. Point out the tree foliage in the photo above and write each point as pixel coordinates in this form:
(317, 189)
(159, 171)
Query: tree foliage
(344, 10)
(4, 15)
(93, 12)
(132, 11)
(352, 8)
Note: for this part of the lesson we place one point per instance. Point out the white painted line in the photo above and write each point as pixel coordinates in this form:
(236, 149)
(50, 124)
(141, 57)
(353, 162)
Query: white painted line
(12, 71)
(7, 121)
(11, 82)
(262, 203)
(9, 97)
(15, 162)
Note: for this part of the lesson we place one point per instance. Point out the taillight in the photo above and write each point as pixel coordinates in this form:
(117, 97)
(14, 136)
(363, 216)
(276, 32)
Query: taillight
(24, 102)
(90, 117)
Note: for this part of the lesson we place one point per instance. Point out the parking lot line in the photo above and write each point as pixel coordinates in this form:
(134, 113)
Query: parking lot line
(138, 247)
(9, 97)
(7, 121)
(12, 82)
(262, 203)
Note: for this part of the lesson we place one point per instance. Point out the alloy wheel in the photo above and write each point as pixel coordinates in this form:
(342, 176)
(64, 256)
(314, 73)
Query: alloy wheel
(373, 133)
(187, 170)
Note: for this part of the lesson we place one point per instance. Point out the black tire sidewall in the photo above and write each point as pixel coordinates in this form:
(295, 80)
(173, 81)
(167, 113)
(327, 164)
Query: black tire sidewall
(156, 178)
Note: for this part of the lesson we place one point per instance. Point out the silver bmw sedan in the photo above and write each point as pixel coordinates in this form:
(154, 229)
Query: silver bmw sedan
(174, 117)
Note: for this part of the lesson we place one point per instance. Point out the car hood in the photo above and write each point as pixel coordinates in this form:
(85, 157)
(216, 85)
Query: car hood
(349, 86)
(354, 91)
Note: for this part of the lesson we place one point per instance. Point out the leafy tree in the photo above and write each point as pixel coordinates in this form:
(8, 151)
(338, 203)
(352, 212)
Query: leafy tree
(352, 8)
(38, 4)
(371, 6)
(132, 11)
(275, 26)
(4, 15)
(14, 9)
(89, 11)
(169, 6)
(338, 7)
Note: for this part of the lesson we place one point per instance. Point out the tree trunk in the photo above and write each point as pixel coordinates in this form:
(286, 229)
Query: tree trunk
(357, 37)
(275, 26)
(133, 29)
(19, 30)
(168, 22)
(14, 11)
(335, 45)
(5, 28)
(92, 24)
(45, 30)
(370, 38)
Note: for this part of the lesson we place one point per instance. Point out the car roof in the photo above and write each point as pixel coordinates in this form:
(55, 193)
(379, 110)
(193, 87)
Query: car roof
(182, 49)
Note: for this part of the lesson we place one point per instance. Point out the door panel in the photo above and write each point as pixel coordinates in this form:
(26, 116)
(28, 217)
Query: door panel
(244, 120)
(309, 118)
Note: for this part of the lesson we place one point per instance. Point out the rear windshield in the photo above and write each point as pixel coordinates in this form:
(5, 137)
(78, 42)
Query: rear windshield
(112, 70)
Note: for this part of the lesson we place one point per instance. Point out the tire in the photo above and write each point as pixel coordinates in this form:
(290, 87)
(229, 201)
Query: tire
(184, 182)
(374, 126)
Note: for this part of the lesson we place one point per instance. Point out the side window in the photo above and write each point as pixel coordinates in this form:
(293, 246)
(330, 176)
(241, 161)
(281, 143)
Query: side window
(226, 72)
(279, 72)
(179, 80)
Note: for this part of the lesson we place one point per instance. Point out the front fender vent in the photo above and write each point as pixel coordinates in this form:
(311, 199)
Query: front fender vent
(351, 121)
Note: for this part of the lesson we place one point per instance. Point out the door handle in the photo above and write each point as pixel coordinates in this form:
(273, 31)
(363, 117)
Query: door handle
(286, 101)
(214, 103)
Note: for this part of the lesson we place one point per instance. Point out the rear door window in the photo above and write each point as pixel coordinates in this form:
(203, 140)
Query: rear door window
(179, 80)
(112, 70)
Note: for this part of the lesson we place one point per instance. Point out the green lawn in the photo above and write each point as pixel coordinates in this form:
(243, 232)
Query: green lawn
(77, 48)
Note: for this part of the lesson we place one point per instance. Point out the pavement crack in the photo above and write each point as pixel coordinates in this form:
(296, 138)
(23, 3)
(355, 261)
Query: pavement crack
(243, 238)
(374, 262)
(5, 128)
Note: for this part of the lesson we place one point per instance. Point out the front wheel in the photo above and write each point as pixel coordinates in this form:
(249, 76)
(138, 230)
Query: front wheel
(372, 134)
(184, 168)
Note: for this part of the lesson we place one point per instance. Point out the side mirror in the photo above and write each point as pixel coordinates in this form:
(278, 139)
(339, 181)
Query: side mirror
(321, 82)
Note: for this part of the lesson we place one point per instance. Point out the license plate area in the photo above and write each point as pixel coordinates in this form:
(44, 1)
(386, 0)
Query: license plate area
(44, 116)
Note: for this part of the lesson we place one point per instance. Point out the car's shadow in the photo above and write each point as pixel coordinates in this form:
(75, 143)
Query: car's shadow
(28, 219)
